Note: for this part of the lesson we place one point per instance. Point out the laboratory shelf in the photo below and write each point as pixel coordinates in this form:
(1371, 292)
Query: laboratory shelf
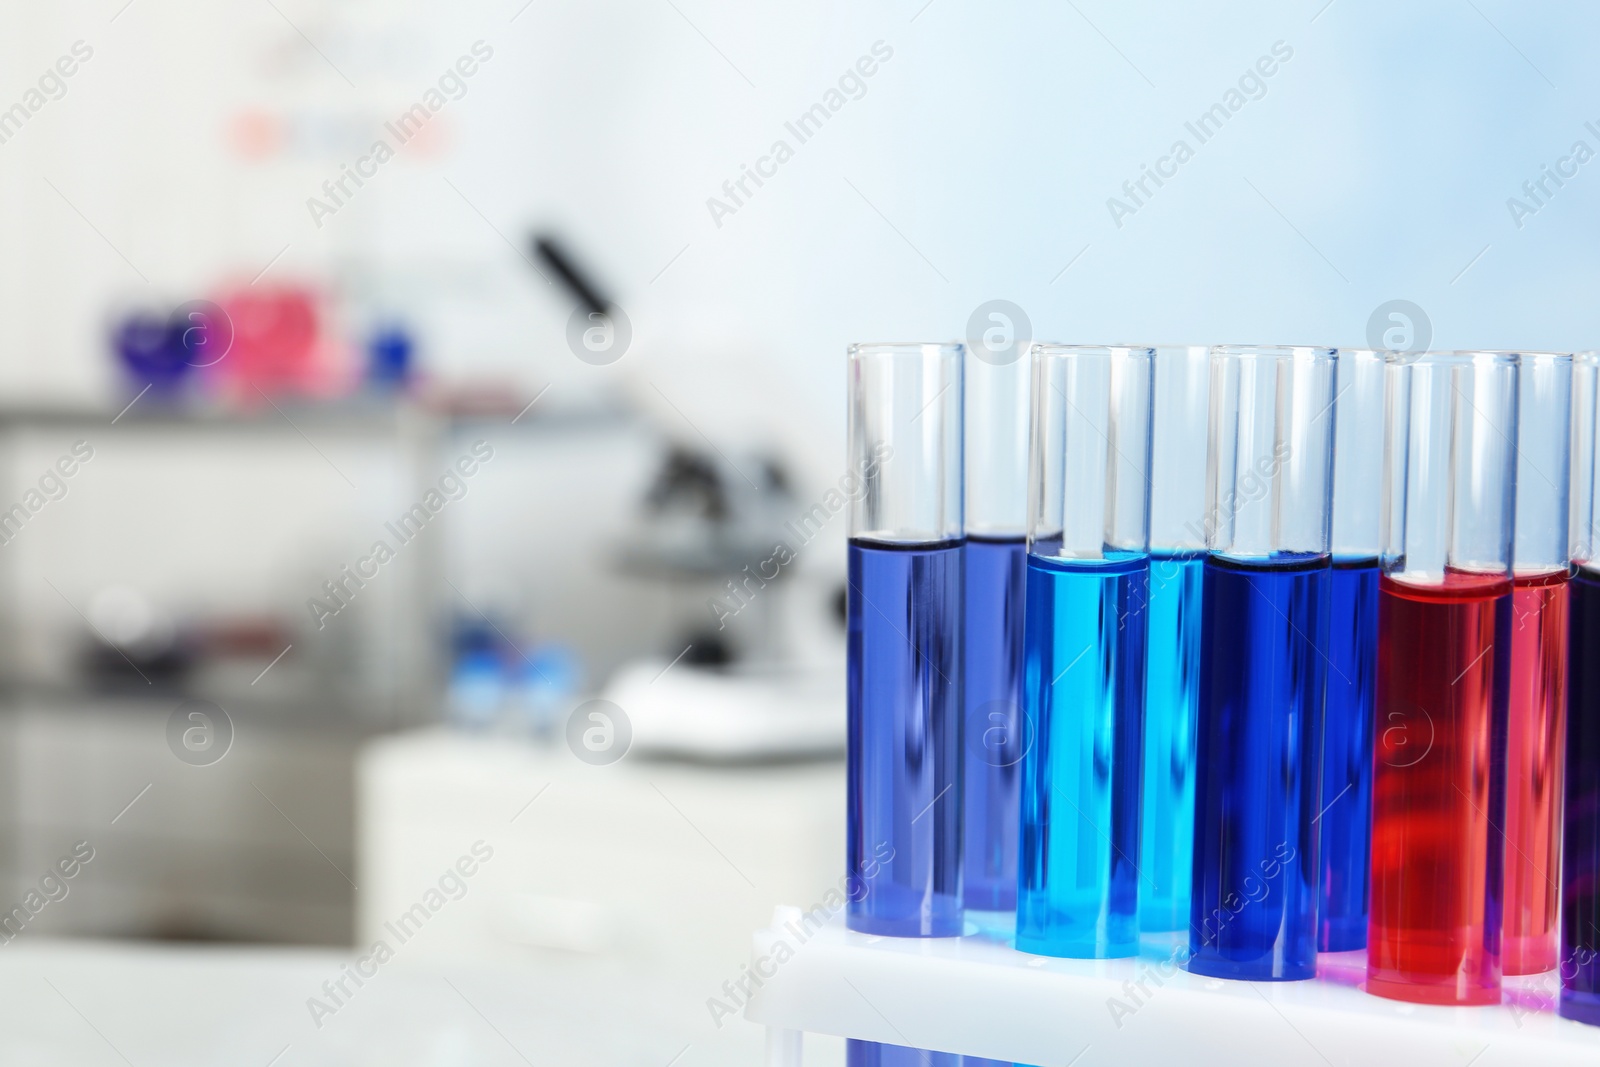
(977, 996)
(350, 416)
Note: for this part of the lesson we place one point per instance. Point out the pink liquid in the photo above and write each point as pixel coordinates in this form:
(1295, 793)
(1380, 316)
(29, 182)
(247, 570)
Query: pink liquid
(1535, 741)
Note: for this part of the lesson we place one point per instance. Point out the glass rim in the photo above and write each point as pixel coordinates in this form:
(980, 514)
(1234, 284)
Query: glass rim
(1158, 347)
(1302, 353)
(1466, 356)
(1544, 357)
(1041, 350)
(904, 348)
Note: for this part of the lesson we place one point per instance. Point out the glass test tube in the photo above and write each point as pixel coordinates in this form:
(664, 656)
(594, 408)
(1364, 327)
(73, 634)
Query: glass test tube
(1084, 643)
(996, 386)
(1264, 629)
(903, 692)
(1345, 803)
(1536, 715)
(1172, 666)
(1580, 876)
(1444, 655)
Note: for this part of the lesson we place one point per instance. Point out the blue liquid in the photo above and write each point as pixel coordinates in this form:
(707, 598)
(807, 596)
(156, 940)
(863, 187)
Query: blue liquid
(904, 767)
(1253, 909)
(995, 735)
(872, 1054)
(1346, 798)
(1171, 713)
(1083, 688)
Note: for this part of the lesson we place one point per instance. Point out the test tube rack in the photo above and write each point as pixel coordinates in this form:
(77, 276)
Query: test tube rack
(977, 996)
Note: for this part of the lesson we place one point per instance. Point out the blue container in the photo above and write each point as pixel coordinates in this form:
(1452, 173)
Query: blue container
(1345, 802)
(996, 734)
(1579, 965)
(1172, 698)
(152, 351)
(1084, 651)
(995, 381)
(1172, 674)
(1084, 683)
(1253, 905)
(1345, 805)
(904, 696)
(904, 713)
(1264, 630)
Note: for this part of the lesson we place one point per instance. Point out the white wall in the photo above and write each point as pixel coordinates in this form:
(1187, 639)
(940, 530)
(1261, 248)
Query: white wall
(1376, 166)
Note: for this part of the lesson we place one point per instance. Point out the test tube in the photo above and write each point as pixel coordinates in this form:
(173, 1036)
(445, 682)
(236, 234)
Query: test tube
(1084, 645)
(904, 654)
(1172, 664)
(996, 525)
(1346, 797)
(1580, 877)
(1536, 716)
(1444, 655)
(1264, 641)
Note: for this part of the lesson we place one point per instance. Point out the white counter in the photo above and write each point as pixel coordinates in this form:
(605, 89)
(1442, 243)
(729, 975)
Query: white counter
(100, 1004)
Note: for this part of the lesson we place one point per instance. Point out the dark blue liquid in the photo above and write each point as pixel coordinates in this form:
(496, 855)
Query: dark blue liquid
(904, 702)
(1580, 876)
(1253, 907)
(1083, 687)
(996, 572)
(1346, 798)
(872, 1054)
(1172, 712)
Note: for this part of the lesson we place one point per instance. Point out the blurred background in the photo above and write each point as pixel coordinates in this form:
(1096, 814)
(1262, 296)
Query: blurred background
(421, 445)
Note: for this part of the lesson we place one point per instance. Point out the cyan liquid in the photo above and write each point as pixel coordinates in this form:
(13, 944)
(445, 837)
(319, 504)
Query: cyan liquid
(1346, 798)
(1253, 906)
(1083, 686)
(903, 700)
(1172, 708)
(996, 577)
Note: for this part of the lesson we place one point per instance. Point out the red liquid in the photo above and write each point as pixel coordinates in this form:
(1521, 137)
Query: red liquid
(1535, 741)
(1438, 790)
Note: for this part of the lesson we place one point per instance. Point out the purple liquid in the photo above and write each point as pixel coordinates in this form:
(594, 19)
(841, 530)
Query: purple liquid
(996, 579)
(904, 699)
(872, 1054)
(1580, 878)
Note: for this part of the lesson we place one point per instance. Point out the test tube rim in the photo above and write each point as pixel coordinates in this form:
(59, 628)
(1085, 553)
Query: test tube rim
(1540, 358)
(1306, 353)
(1363, 354)
(859, 349)
(1464, 357)
(1158, 347)
(1047, 349)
